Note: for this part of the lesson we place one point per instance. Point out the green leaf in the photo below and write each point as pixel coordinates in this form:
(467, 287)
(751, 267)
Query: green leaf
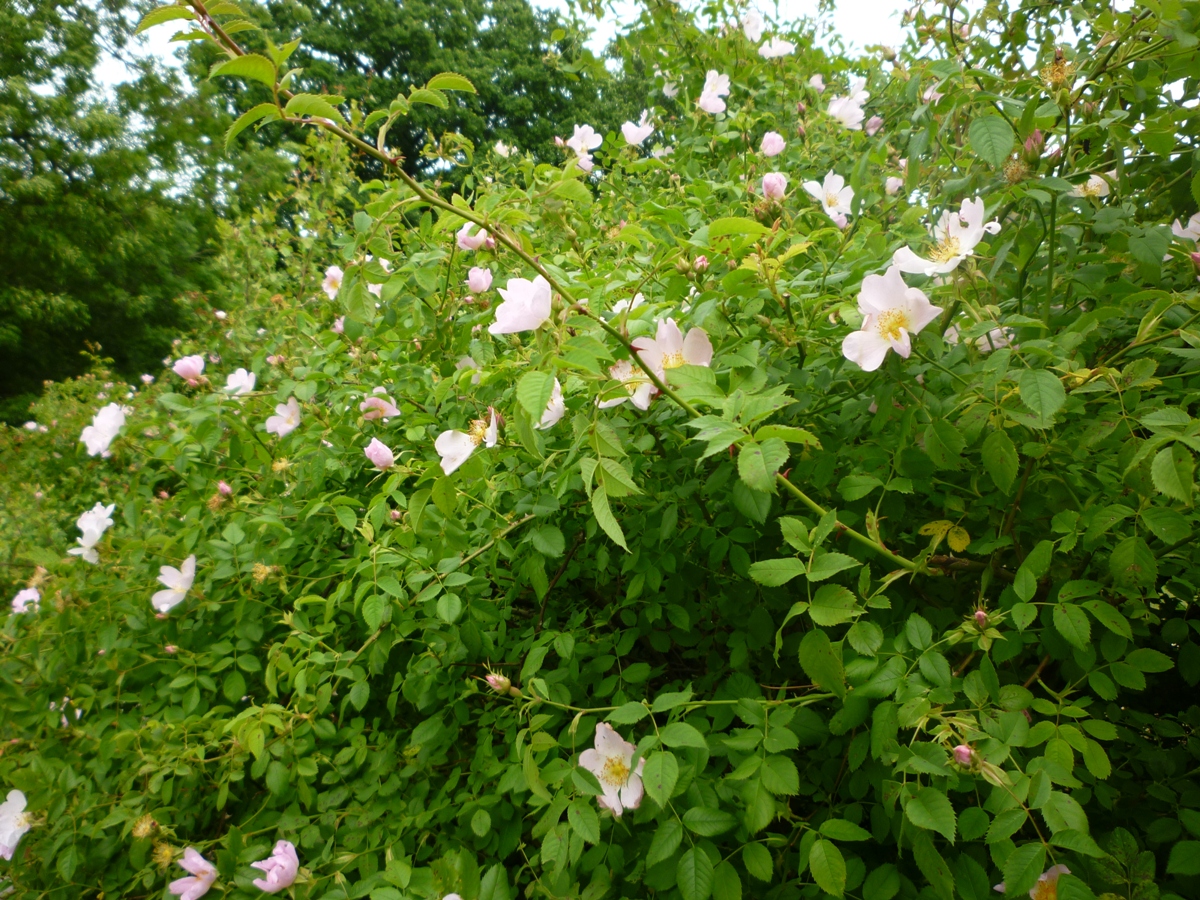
(932, 866)
(681, 734)
(727, 885)
(1166, 524)
(694, 875)
(251, 66)
(735, 225)
(1043, 393)
(1146, 659)
(841, 830)
(788, 433)
(1072, 623)
(1023, 868)
(584, 820)
(778, 773)
(430, 98)
(533, 392)
(826, 565)
(992, 139)
(164, 14)
(883, 883)
(757, 860)
(481, 822)
(931, 809)
(821, 663)
(855, 487)
(277, 777)
(944, 444)
(832, 604)
(373, 609)
(1184, 858)
(828, 867)
(494, 884)
(605, 518)
(316, 105)
(1079, 842)
(628, 713)
(1173, 472)
(450, 81)
(267, 111)
(234, 686)
(774, 572)
(668, 701)
(1132, 563)
(666, 841)
(708, 822)
(660, 776)
(1000, 459)
(1109, 617)
(758, 463)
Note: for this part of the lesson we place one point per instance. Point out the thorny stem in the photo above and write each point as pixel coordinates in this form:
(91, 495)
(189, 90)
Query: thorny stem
(572, 302)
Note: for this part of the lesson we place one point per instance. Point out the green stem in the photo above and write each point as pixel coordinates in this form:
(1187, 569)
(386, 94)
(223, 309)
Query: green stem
(1050, 261)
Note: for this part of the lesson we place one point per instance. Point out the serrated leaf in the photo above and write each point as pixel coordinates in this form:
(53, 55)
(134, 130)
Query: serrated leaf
(432, 98)
(1072, 623)
(1109, 617)
(605, 518)
(944, 444)
(855, 487)
(758, 463)
(584, 820)
(315, 105)
(735, 225)
(164, 14)
(708, 822)
(1023, 868)
(841, 830)
(666, 841)
(681, 734)
(826, 565)
(828, 867)
(660, 776)
(1000, 459)
(832, 605)
(450, 81)
(628, 713)
(958, 539)
(1173, 472)
(267, 111)
(821, 663)
(931, 809)
(758, 862)
(780, 776)
(694, 875)
(251, 66)
(1043, 393)
(774, 572)
(992, 139)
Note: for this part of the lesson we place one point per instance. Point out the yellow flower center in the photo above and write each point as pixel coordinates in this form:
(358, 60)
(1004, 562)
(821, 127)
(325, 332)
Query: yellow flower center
(831, 200)
(615, 772)
(672, 360)
(1045, 890)
(891, 322)
(478, 431)
(946, 250)
(1092, 188)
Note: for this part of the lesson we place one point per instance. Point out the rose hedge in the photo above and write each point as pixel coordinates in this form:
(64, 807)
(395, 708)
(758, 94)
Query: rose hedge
(889, 596)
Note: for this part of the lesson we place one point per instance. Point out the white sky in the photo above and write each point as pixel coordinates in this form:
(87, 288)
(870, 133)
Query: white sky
(860, 23)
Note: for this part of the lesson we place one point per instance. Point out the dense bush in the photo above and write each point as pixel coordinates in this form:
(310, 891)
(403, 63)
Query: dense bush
(886, 577)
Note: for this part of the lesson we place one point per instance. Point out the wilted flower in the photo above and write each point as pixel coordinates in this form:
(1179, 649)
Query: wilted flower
(177, 581)
(332, 282)
(144, 827)
(873, 125)
(468, 240)
(203, 875)
(479, 279)
(610, 761)
(379, 454)
(1096, 186)
(106, 425)
(555, 409)
(526, 306)
(772, 144)
(752, 26)
(14, 822)
(957, 234)
(455, 447)
(286, 418)
(93, 523)
(963, 755)
(716, 86)
(1047, 884)
(774, 185)
(639, 390)
(892, 185)
(835, 197)
(502, 149)
(189, 368)
(775, 48)
(669, 349)
(281, 867)
(892, 312)
(817, 83)
(584, 139)
(26, 600)
(635, 134)
(378, 406)
(240, 382)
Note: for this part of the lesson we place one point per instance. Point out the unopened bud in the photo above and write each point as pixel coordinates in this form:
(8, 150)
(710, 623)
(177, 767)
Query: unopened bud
(801, 109)
(683, 266)
(497, 682)
(1196, 263)
(981, 619)
(963, 755)
(700, 264)
(395, 514)
(224, 488)
(1034, 145)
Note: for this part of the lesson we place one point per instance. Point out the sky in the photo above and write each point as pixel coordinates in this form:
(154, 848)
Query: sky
(861, 23)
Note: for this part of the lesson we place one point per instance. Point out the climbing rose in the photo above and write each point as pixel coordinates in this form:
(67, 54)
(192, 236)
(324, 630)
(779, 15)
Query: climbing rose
(752, 26)
(197, 884)
(893, 184)
(555, 409)
(635, 134)
(775, 48)
(639, 390)
(378, 406)
(93, 523)
(1190, 232)
(716, 86)
(380, 454)
(873, 125)
(190, 368)
(467, 240)
(846, 111)
(963, 754)
(1096, 186)
(281, 867)
(455, 447)
(502, 149)
(1047, 884)
(610, 762)
(584, 139)
(333, 281)
(339, 325)
(957, 234)
(669, 349)
(26, 600)
(224, 489)
(177, 582)
(479, 280)
(817, 83)
(772, 144)
(240, 382)
(892, 312)
(526, 306)
(14, 822)
(774, 185)
(286, 418)
(106, 425)
(834, 195)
